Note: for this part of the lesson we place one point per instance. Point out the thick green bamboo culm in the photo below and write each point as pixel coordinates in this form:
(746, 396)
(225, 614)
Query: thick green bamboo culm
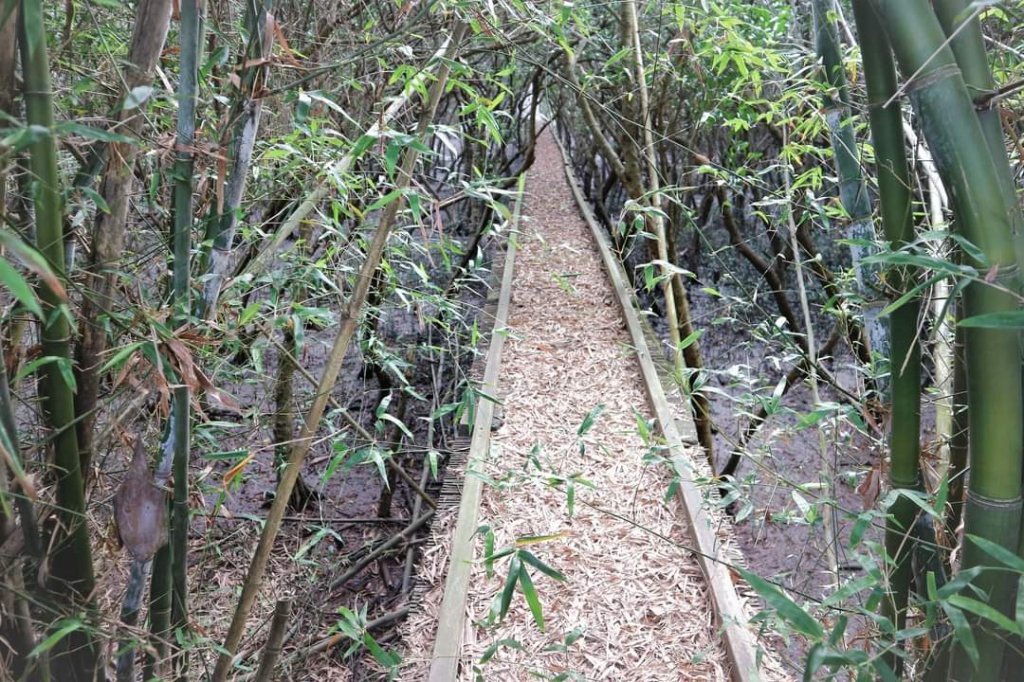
(896, 208)
(969, 49)
(954, 134)
(71, 562)
(960, 23)
(853, 191)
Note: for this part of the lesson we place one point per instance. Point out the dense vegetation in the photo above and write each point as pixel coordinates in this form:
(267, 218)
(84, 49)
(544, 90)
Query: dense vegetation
(249, 243)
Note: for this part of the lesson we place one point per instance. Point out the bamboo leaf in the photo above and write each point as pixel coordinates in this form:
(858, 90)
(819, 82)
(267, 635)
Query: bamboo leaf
(397, 422)
(998, 552)
(530, 592)
(963, 579)
(315, 540)
(137, 97)
(34, 261)
(514, 567)
(589, 420)
(340, 454)
(985, 611)
(531, 559)
(90, 133)
(122, 354)
(19, 288)
(1007, 319)
(383, 201)
(97, 199)
(489, 652)
(387, 659)
(249, 313)
(432, 458)
(962, 631)
(921, 501)
(63, 365)
(787, 609)
(70, 625)
(362, 144)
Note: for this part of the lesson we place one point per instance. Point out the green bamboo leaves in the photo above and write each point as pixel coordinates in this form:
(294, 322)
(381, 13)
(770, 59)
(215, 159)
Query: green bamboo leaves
(518, 574)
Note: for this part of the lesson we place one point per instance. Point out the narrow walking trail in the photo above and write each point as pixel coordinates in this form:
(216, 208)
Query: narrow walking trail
(633, 605)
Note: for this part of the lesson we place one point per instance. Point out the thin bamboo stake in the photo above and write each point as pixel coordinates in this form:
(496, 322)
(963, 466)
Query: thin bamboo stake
(278, 628)
(826, 472)
(353, 314)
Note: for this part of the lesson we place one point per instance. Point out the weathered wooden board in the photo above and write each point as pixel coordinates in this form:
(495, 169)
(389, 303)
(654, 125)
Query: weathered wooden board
(444, 666)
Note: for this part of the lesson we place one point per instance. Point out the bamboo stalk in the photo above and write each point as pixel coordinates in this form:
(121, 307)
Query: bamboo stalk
(896, 205)
(353, 314)
(152, 22)
(243, 126)
(677, 307)
(77, 653)
(175, 445)
(130, 608)
(960, 23)
(956, 138)
(278, 629)
(159, 614)
(16, 627)
(853, 191)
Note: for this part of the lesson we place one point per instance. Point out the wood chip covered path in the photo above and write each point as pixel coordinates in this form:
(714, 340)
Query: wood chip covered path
(634, 605)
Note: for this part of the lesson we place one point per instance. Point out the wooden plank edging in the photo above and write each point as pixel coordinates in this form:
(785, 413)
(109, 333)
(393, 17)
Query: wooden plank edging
(740, 645)
(451, 619)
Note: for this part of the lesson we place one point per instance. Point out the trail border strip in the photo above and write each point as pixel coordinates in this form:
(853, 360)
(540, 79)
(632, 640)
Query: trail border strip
(444, 665)
(739, 642)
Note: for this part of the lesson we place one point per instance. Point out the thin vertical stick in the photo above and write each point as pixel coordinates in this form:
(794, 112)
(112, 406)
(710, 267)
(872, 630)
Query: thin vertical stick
(831, 530)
